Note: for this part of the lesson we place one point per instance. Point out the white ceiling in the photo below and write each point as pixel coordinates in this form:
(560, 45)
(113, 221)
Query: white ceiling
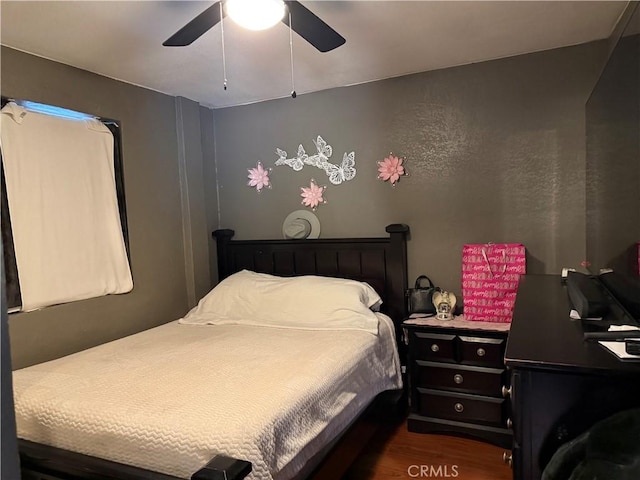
(123, 40)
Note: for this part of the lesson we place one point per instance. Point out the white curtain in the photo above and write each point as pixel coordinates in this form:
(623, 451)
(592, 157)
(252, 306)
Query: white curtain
(63, 205)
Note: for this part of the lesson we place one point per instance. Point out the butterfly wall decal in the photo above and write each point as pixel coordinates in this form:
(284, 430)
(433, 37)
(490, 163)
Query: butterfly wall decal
(337, 173)
(343, 173)
(324, 153)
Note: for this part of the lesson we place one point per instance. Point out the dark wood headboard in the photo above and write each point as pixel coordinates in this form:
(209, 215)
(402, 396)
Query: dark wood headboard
(381, 262)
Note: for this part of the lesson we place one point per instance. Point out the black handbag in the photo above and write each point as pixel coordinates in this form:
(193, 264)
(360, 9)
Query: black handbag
(420, 299)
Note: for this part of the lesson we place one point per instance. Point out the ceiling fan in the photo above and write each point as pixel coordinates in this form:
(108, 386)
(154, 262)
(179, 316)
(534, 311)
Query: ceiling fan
(303, 21)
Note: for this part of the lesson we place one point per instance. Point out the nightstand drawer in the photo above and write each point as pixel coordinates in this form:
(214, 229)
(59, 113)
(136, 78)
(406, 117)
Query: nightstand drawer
(461, 378)
(433, 346)
(462, 407)
(482, 351)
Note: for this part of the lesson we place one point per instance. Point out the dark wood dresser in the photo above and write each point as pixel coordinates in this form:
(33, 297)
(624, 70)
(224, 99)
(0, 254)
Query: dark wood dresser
(560, 384)
(456, 380)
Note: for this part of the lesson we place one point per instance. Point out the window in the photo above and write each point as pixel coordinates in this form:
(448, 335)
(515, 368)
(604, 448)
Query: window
(64, 231)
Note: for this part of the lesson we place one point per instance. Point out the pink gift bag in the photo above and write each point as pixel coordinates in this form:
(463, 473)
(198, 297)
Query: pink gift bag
(490, 275)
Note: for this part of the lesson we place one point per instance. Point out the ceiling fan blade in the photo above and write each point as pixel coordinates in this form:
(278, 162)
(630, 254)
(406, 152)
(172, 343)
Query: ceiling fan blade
(195, 28)
(310, 27)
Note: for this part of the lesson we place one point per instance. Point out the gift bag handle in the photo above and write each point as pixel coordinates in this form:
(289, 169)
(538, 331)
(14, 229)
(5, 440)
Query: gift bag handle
(420, 279)
(504, 262)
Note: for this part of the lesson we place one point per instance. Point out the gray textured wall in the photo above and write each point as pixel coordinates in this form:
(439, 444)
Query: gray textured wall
(495, 153)
(613, 159)
(194, 215)
(210, 182)
(152, 186)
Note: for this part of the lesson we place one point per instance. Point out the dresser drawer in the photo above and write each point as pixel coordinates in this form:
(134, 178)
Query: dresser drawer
(460, 378)
(462, 407)
(433, 346)
(487, 352)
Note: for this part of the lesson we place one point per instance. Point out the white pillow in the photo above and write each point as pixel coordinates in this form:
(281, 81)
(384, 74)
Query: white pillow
(307, 302)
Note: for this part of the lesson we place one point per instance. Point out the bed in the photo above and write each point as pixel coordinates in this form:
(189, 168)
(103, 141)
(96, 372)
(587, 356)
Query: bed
(204, 399)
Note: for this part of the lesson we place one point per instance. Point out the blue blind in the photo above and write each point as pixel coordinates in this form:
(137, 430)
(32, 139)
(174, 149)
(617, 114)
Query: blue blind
(55, 111)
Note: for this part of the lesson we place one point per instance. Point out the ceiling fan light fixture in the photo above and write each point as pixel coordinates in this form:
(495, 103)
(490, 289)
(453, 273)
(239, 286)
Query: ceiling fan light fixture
(255, 14)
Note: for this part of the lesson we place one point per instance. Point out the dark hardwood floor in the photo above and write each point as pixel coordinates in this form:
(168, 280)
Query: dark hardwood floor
(396, 453)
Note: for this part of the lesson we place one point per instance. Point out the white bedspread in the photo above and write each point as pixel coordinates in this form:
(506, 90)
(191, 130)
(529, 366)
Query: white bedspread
(170, 398)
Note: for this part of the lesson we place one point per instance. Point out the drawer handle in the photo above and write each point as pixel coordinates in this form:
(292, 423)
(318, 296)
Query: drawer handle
(509, 423)
(481, 352)
(506, 392)
(507, 458)
(458, 378)
(458, 407)
(435, 347)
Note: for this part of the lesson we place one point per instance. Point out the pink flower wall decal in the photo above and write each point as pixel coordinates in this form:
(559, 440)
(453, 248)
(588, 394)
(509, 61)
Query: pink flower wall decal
(258, 177)
(391, 169)
(312, 195)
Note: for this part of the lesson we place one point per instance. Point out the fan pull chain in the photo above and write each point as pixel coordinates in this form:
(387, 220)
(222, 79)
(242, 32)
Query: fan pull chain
(224, 59)
(293, 85)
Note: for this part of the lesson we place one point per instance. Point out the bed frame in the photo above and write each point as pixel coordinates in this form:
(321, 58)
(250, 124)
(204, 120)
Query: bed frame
(381, 262)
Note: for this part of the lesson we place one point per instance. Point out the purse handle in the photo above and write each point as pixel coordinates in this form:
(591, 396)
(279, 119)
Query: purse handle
(504, 262)
(419, 282)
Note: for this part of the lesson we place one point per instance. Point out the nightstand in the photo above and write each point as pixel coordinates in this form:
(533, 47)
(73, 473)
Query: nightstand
(458, 383)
